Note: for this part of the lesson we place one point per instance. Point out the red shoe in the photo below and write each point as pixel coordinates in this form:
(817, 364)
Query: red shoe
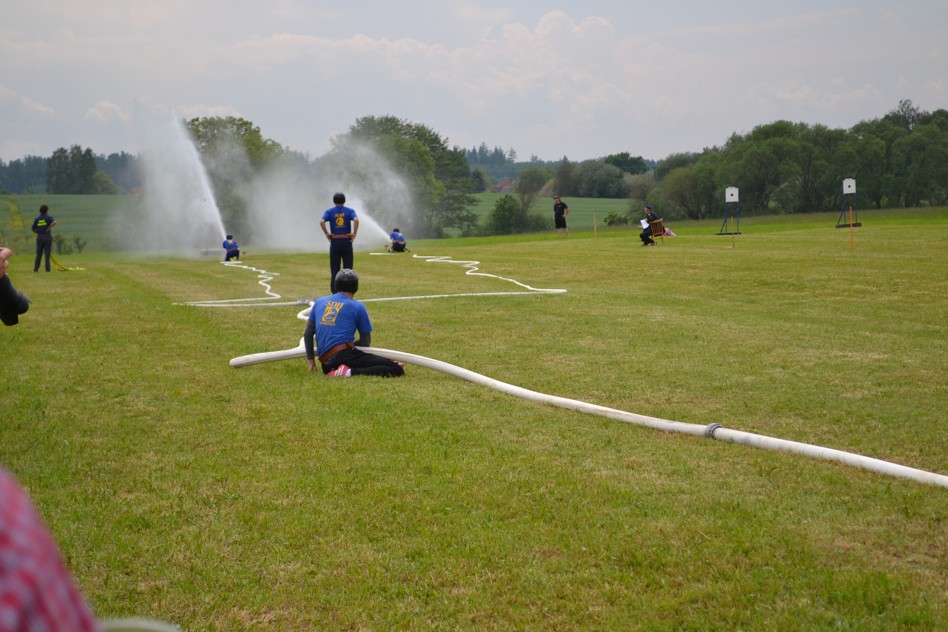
(340, 371)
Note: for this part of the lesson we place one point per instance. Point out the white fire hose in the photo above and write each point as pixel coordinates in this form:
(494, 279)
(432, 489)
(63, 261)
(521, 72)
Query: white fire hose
(712, 431)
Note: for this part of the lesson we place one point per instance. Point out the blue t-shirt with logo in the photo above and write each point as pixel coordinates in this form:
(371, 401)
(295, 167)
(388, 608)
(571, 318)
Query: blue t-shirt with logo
(337, 318)
(339, 219)
(42, 224)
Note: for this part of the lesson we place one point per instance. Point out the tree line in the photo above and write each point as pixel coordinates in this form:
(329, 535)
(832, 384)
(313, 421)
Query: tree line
(898, 160)
(72, 171)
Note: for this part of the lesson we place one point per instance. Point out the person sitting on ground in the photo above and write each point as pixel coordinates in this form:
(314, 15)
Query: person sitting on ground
(333, 322)
(398, 240)
(646, 234)
(231, 249)
(13, 302)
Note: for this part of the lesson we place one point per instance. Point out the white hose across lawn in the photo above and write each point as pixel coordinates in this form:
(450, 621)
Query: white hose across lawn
(264, 280)
(713, 431)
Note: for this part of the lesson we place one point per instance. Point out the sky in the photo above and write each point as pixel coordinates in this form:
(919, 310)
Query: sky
(578, 79)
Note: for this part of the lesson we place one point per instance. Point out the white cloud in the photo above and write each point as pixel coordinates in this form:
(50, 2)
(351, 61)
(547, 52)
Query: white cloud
(18, 106)
(586, 79)
(206, 111)
(106, 112)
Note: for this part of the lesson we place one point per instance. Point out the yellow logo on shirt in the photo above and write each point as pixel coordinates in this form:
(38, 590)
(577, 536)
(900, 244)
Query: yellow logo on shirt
(330, 313)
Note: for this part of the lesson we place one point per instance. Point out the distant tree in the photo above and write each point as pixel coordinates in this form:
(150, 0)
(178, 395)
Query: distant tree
(71, 171)
(528, 186)
(938, 118)
(234, 152)
(25, 175)
(438, 176)
(597, 179)
(565, 177)
(504, 219)
(641, 187)
(819, 172)
(82, 163)
(763, 164)
(674, 161)
(479, 180)
(682, 192)
(222, 136)
(104, 185)
(627, 163)
(923, 156)
(453, 208)
(57, 171)
(874, 143)
(906, 115)
(123, 168)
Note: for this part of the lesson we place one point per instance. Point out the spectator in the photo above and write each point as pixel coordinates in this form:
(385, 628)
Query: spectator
(43, 227)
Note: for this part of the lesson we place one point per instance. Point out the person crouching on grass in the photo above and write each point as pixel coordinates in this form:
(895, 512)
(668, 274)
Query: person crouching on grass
(333, 322)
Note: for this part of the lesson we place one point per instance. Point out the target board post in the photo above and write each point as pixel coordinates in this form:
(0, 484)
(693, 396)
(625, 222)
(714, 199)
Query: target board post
(732, 211)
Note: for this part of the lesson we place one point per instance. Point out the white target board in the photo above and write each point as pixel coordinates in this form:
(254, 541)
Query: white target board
(849, 185)
(730, 194)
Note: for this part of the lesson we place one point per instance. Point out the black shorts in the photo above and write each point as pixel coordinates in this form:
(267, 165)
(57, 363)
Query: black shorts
(560, 222)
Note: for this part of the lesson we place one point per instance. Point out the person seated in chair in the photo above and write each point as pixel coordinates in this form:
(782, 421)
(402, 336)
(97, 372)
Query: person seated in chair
(646, 234)
(398, 241)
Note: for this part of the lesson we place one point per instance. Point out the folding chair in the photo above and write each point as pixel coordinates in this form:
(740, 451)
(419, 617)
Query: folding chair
(658, 229)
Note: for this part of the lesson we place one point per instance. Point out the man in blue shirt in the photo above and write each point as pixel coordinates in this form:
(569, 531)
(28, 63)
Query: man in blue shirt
(333, 322)
(398, 240)
(231, 249)
(43, 227)
(343, 227)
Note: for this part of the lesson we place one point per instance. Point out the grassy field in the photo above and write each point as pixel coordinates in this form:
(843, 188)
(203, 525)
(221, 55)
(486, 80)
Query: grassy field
(271, 498)
(582, 211)
(91, 218)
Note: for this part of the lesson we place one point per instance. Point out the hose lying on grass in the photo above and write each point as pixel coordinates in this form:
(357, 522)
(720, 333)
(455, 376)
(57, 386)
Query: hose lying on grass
(712, 431)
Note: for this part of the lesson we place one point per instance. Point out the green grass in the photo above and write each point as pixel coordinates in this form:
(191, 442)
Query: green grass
(583, 212)
(92, 218)
(271, 498)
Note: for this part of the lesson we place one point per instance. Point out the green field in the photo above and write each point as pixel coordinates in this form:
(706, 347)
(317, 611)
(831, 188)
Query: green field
(271, 498)
(582, 211)
(94, 219)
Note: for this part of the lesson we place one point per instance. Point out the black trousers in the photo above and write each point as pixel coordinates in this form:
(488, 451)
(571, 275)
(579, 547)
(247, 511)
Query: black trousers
(363, 363)
(44, 246)
(340, 256)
